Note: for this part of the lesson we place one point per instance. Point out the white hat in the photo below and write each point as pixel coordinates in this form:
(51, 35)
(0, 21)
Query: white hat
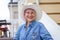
(36, 7)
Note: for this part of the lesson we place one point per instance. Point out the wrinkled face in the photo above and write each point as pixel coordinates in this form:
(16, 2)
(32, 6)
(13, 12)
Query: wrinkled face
(29, 14)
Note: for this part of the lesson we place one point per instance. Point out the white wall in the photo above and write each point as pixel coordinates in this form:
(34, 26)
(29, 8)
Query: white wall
(15, 0)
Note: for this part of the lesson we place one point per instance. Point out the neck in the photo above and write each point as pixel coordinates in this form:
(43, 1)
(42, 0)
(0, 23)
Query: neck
(27, 24)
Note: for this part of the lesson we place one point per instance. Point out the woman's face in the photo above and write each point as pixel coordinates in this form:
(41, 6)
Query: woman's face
(30, 15)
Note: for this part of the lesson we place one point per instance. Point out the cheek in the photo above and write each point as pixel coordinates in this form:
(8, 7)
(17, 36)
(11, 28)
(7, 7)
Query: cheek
(34, 16)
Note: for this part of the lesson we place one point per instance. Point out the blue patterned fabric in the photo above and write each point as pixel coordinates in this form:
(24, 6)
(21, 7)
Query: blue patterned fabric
(35, 31)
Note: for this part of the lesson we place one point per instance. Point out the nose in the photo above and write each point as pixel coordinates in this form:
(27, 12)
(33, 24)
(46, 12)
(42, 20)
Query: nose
(30, 14)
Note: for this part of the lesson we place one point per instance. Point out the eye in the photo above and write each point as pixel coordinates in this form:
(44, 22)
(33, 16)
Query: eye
(32, 12)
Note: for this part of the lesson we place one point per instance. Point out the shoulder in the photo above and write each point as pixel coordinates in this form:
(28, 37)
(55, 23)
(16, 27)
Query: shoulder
(20, 26)
(39, 23)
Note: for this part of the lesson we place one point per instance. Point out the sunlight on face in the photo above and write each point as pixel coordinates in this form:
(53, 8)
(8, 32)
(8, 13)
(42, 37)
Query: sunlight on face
(29, 14)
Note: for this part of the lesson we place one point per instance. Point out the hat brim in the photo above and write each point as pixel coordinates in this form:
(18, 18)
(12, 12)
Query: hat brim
(33, 6)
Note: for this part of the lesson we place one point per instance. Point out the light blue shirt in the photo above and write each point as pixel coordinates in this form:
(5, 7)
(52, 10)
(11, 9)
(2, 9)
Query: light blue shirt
(35, 31)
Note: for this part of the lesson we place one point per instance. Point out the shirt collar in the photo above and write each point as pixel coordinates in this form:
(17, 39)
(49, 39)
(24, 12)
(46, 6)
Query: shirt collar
(31, 24)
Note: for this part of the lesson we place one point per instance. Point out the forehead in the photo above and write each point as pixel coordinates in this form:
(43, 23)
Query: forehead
(29, 9)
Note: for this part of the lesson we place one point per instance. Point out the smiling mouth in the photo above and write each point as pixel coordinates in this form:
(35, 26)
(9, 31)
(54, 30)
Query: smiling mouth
(30, 17)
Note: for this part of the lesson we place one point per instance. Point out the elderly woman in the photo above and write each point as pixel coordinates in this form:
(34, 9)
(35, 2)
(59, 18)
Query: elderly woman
(32, 29)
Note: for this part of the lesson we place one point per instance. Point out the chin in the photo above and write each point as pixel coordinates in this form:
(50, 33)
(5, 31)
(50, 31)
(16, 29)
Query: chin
(30, 20)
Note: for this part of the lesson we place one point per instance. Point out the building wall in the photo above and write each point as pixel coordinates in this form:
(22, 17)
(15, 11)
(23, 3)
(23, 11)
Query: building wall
(13, 18)
(52, 7)
(15, 0)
